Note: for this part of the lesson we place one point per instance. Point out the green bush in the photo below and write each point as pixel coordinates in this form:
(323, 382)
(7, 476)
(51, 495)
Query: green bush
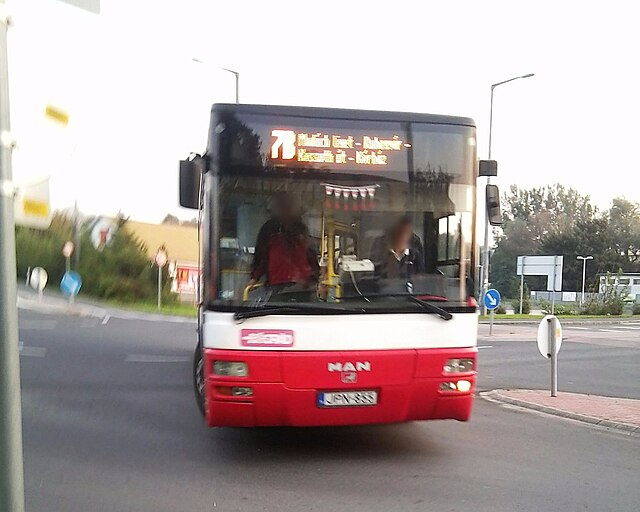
(565, 309)
(595, 307)
(121, 271)
(559, 309)
(501, 310)
(636, 309)
(611, 302)
(37, 248)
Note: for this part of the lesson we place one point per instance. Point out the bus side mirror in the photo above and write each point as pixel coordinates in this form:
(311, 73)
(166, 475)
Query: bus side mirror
(190, 183)
(487, 168)
(493, 205)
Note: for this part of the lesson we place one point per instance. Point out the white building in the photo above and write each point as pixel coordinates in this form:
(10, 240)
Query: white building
(628, 283)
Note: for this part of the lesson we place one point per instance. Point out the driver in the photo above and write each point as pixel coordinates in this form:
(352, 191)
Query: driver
(283, 254)
(398, 253)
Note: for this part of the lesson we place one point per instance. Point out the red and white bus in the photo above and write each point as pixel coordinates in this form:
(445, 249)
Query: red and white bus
(337, 266)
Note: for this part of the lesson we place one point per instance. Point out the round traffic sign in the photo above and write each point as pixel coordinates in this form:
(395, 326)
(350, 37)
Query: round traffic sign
(549, 326)
(491, 299)
(38, 279)
(161, 258)
(67, 249)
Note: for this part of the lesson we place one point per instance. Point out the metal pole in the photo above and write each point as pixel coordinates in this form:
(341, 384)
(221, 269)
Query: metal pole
(491, 323)
(11, 465)
(76, 236)
(237, 75)
(237, 87)
(485, 259)
(553, 355)
(522, 284)
(485, 256)
(553, 286)
(584, 276)
(159, 287)
(67, 263)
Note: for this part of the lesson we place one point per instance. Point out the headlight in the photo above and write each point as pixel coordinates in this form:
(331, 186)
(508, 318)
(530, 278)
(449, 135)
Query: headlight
(230, 368)
(458, 366)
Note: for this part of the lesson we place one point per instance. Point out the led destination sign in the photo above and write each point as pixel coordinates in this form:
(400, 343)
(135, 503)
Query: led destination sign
(289, 146)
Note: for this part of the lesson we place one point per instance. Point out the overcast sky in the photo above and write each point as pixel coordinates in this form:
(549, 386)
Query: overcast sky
(137, 102)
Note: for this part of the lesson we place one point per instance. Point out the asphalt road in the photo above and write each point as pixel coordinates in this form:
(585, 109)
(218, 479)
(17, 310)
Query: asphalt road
(598, 359)
(110, 425)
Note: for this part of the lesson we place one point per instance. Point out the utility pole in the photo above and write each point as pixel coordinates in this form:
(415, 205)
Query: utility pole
(11, 465)
(486, 263)
(76, 236)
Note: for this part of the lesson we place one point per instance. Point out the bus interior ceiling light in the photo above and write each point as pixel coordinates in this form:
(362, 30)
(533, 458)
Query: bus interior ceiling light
(230, 368)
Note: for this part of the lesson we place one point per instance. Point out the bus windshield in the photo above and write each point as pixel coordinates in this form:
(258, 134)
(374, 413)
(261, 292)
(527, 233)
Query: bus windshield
(328, 213)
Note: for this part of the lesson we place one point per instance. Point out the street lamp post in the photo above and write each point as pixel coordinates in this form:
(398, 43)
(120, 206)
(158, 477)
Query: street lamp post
(485, 256)
(235, 73)
(584, 274)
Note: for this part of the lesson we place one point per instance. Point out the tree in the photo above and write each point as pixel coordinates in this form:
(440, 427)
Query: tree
(170, 219)
(624, 217)
(538, 221)
(122, 271)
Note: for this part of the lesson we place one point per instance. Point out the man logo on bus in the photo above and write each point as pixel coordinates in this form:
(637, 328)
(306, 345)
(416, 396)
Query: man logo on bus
(358, 366)
(349, 377)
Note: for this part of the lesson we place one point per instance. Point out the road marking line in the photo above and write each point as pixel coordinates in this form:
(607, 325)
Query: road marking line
(27, 351)
(142, 358)
(106, 319)
(580, 328)
(484, 346)
(608, 330)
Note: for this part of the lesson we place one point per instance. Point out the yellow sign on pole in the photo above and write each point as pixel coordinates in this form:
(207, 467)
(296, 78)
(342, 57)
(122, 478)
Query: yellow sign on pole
(32, 207)
(56, 114)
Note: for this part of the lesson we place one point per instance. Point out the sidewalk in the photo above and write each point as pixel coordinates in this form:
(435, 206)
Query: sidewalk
(53, 303)
(617, 413)
(504, 320)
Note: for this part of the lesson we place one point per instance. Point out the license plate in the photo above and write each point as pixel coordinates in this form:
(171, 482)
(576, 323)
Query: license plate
(347, 398)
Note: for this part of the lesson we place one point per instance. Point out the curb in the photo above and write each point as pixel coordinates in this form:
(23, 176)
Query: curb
(495, 396)
(563, 321)
(90, 311)
(65, 309)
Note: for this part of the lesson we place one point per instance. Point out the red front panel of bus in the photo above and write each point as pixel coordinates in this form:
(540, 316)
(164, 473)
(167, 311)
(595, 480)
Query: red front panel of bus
(285, 386)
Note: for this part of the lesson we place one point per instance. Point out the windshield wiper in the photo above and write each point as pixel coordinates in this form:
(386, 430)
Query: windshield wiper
(432, 308)
(292, 308)
(426, 306)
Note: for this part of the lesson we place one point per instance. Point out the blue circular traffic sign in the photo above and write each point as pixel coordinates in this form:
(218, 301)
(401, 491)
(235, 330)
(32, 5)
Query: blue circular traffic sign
(491, 299)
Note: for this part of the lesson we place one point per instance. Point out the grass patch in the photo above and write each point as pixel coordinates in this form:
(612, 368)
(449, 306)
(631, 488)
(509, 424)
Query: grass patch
(186, 310)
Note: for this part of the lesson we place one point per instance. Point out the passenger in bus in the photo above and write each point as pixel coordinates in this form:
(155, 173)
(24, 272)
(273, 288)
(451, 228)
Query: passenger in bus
(283, 253)
(399, 253)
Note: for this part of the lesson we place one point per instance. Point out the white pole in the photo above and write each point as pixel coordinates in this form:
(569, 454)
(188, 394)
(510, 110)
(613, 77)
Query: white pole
(584, 275)
(553, 286)
(522, 284)
(554, 358)
(11, 463)
(159, 287)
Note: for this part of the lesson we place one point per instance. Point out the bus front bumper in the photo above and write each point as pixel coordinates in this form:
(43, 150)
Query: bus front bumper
(282, 388)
